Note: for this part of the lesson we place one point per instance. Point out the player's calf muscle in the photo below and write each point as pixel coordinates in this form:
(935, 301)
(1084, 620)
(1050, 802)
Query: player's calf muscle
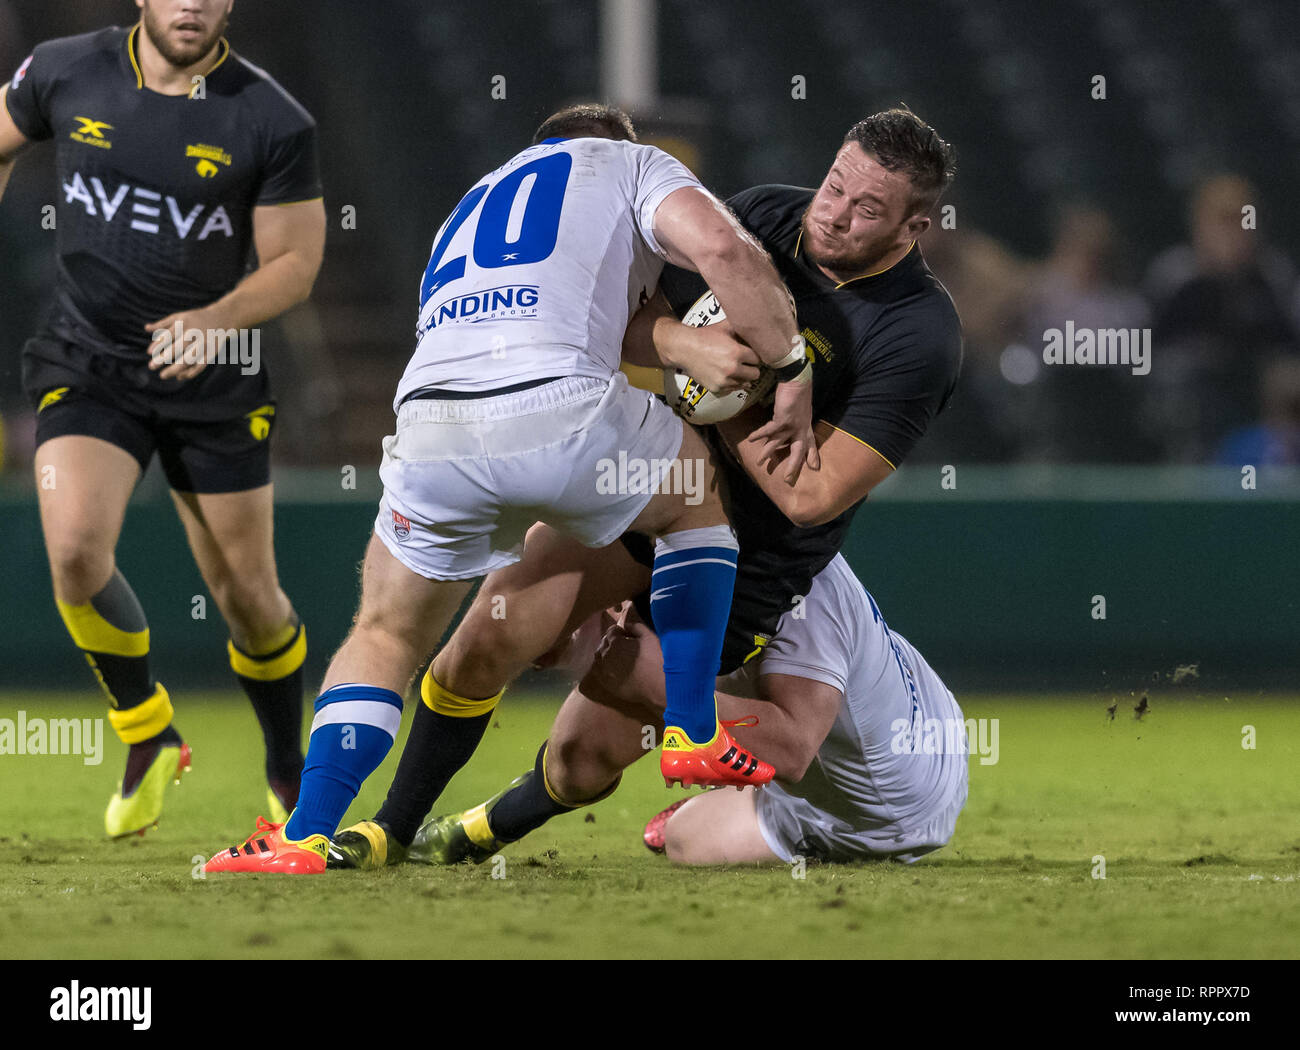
(591, 744)
(484, 655)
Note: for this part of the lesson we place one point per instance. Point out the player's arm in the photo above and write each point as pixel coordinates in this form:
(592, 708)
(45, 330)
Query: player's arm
(712, 353)
(700, 233)
(795, 714)
(12, 141)
(290, 242)
(849, 470)
(901, 380)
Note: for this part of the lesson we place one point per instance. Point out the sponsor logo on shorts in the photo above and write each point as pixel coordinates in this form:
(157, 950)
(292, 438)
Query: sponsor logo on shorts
(401, 526)
(51, 397)
(259, 421)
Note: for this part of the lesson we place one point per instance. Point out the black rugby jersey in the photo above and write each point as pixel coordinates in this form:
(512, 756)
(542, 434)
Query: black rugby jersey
(886, 352)
(156, 192)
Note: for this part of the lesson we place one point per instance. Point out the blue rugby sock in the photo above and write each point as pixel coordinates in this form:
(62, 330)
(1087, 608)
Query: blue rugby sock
(353, 730)
(690, 603)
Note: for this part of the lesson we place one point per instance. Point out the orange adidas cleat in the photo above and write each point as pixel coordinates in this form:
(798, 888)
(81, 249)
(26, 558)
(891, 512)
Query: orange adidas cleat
(266, 849)
(653, 835)
(719, 763)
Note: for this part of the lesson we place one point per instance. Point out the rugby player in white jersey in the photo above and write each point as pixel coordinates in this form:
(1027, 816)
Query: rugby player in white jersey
(510, 405)
(868, 743)
(888, 344)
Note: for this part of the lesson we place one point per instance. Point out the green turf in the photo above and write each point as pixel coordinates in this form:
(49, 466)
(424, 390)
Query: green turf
(1200, 838)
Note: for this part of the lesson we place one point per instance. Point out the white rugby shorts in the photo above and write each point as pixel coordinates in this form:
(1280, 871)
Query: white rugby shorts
(465, 480)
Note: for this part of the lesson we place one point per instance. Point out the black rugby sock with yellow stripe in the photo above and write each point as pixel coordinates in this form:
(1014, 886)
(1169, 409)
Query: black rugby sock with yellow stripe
(273, 681)
(444, 733)
(113, 635)
(530, 802)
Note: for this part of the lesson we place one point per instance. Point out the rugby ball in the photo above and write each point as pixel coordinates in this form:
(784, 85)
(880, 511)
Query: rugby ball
(691, 399)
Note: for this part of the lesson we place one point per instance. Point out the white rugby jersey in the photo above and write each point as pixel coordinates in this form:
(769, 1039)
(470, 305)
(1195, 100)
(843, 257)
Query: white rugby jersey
(898, 747)
(537, 271)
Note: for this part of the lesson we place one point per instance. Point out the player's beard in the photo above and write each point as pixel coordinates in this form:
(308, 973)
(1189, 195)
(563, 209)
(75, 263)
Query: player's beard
(180, 54)
(839, 258)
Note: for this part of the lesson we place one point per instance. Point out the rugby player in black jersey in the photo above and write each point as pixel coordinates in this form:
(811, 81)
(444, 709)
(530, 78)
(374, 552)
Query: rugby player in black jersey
(886, 343)
(175, 158)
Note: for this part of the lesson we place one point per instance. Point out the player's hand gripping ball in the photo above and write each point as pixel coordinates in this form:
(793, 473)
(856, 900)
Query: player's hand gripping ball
(693, 401)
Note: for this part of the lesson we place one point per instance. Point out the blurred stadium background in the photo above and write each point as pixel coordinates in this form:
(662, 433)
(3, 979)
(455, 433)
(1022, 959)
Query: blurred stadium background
(1069, 483)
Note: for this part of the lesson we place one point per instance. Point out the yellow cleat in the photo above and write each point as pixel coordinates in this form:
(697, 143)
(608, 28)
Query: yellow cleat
(134, 813)
(366, 846)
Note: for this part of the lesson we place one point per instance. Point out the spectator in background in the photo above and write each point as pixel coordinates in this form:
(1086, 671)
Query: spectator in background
(1221, 313)
(987, 283)
(1275, 440)
(1078, 413)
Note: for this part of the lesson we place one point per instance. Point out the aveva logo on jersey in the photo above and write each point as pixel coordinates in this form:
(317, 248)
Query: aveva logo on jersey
(146, 210)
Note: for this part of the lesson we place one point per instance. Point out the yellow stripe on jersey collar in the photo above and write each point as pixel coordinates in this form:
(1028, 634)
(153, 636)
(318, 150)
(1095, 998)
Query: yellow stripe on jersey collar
(223, 45)
(130, 53)
(862, 276)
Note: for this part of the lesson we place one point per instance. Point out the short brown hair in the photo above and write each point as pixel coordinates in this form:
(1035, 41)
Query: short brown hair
(902, 141)
(587, 120)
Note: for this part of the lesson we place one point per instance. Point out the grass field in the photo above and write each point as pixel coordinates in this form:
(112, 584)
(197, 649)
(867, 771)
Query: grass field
(1200, 838)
